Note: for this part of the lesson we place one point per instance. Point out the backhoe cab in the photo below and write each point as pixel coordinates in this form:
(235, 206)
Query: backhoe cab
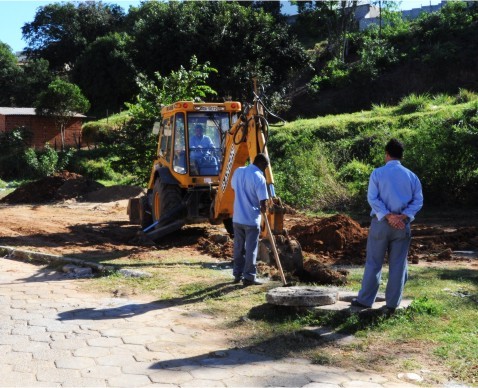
(200, 145)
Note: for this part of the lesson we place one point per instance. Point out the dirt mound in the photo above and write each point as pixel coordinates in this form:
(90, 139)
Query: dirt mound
(60, 186)
(217, 246)
(328, 234)
(113, 193)
(338, 237)
(317, 272)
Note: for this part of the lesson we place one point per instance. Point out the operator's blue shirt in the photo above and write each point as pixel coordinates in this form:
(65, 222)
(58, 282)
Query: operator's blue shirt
(250, 188)
(394, 189)
(203, 142)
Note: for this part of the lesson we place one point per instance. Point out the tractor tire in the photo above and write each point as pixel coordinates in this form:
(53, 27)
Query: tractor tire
(165, 198)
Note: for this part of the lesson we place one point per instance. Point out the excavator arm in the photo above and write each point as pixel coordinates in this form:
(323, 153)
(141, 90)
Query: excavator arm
(247, 138)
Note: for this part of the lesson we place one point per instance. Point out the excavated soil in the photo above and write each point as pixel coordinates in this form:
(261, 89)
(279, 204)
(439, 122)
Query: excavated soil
(70, 215)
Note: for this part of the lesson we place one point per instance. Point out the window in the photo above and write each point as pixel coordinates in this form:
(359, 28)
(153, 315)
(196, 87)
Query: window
(179, 151)
(165, 145)
(206, 131)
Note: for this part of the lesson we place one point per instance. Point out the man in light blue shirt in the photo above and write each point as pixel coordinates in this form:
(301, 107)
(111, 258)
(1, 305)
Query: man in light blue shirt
(395, 195)
(250, 196)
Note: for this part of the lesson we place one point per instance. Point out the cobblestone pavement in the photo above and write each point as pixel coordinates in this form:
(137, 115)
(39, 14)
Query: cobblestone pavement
(53, 335)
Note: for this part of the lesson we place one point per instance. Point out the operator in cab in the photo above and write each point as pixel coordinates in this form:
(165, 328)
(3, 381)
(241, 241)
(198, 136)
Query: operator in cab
(200, 145)
(199, 140)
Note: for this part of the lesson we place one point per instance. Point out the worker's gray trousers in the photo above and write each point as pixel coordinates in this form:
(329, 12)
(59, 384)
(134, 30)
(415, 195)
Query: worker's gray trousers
(383, 238)
(246, 243)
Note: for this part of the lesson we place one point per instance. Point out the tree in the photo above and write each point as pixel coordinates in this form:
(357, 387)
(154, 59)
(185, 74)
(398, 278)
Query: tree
(239, 41)
(9, 72)
(106, 74)
(61, 31)
(35, 76)
(137, 145)
(61, 100)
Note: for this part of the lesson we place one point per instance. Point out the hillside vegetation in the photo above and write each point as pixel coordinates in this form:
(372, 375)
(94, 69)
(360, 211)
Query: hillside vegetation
(324, 163)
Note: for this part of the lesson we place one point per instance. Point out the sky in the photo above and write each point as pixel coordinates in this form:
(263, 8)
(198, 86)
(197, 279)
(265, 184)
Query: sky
(14, 14)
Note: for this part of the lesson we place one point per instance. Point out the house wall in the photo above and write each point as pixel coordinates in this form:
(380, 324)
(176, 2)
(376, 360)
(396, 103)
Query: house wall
(43, 130)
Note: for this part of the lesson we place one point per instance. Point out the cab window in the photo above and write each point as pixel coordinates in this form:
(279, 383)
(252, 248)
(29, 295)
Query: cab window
(165, 144)
(179, 149)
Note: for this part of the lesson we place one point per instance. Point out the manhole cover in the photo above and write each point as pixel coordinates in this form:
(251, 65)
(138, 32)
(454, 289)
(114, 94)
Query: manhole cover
(302, 296)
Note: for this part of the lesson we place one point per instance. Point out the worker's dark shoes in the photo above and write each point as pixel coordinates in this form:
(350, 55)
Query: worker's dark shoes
(254, 282)
(237, 279)
(356, 303)
(389, 310)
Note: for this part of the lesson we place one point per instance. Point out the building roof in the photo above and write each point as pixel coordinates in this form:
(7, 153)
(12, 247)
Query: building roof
(6, 111)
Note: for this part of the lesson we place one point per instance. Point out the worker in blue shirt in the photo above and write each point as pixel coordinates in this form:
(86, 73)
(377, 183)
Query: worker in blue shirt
(250, 196)
(395, 195)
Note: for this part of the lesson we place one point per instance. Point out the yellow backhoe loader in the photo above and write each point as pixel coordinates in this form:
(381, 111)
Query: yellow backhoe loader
(200, 145)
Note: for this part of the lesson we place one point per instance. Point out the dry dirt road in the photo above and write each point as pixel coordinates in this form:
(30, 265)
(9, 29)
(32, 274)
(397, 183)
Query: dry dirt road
(70, 215)
(94, 230)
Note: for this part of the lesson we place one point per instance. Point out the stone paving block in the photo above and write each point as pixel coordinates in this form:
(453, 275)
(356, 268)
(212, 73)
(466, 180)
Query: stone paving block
(101, 371)
(105, 342)
(85, 382)
(28, 330)
(136, 368)
(11, 339)
(41, 337)
(116, 360)
(32, 347)
(243, 381)
(141, 339)
(128, 381)
(68, 344)
(402, 384)
(361, 384)
(203, 383)
(147, 356)
(51, 354)
(93, 352)
(170, 376)
(321, 385)
(57, 375)
(14, 357)
(130, 349)
(17, 379)
(286, 380)
(367, 377)
(78, 363)
(118, 332)
(328, 377)
(33, 367)
(254, 370)
(4, 369)
(280, 366)
(206, 373)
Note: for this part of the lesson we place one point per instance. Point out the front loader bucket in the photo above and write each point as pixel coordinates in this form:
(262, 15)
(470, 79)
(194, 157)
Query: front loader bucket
(162, 231)
(168, 223)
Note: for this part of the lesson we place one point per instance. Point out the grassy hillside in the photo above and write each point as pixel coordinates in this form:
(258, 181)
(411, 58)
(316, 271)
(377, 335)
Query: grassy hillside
(324, 163)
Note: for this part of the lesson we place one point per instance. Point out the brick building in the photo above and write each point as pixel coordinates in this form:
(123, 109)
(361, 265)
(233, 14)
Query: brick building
(43, 129)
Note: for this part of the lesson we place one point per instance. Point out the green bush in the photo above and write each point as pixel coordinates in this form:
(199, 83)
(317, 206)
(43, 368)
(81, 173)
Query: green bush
(356, 175)
(3, 184)
(12, 146)
(45, 162)
(308, 180)
(97, 169)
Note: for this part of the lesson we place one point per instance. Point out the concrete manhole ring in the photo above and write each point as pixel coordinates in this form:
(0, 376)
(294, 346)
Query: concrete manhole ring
(302, 296)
